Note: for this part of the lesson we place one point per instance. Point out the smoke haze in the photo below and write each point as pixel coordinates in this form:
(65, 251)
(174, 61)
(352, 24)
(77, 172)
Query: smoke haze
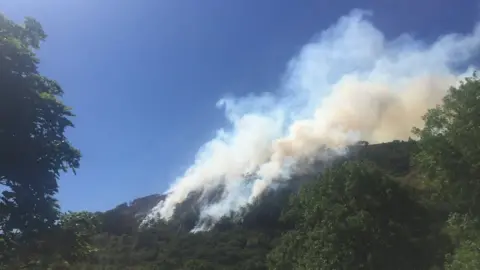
(348, 84)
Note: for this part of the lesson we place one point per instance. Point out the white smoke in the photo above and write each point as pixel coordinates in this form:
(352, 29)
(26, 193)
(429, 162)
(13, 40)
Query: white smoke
(348, 84)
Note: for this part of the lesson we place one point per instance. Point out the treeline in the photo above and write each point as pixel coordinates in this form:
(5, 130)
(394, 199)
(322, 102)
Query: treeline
(397, 205)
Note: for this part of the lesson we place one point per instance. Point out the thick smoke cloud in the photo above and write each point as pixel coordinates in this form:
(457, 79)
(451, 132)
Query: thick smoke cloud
(350, 83)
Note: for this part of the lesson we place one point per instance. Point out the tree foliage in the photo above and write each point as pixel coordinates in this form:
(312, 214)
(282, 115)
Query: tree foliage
(354, 217)
(449, 161)
(465, 233)
(33, 147)
(449, 144)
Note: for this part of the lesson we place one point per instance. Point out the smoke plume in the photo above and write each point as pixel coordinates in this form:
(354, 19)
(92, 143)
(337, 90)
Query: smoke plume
(349, 84)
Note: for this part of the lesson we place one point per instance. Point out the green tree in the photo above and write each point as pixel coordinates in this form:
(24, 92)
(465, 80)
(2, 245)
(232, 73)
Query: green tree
(449, 162)
(76, 234)
(354, 217)
(33, 147)
(465, 233)
(449, 148)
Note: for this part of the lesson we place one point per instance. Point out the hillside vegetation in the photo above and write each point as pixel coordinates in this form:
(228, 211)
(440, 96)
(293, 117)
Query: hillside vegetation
(233, 243)
(398, 205)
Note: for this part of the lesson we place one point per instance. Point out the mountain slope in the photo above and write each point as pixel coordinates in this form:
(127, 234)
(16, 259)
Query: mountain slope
(235, 242)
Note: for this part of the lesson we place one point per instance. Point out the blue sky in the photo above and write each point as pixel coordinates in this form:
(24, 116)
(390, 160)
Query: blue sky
(144, 76)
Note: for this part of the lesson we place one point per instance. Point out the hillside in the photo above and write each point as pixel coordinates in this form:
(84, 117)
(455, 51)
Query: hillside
(233, 243)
